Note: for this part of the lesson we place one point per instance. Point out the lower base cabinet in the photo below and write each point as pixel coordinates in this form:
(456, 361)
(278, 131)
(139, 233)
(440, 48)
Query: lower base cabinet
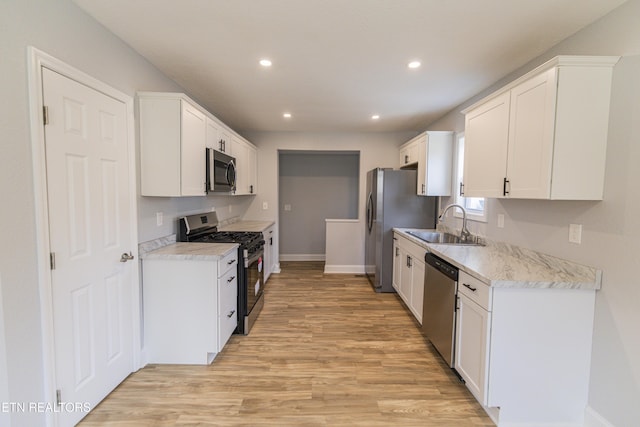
(268, 252)
(524, 353)
(408, 273)
(190, 308)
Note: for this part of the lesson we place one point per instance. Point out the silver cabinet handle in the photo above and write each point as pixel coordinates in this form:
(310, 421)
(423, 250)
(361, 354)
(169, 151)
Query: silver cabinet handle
(231, 314)
(126, 257)
(230, 279)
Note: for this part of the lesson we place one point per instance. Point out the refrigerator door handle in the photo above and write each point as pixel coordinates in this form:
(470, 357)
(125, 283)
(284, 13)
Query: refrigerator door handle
(370, 212)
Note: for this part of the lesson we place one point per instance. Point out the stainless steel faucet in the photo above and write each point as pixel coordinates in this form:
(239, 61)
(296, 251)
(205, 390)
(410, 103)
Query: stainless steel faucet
(464, 233)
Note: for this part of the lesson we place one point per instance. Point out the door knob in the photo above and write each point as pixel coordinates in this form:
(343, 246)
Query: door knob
(126, 257)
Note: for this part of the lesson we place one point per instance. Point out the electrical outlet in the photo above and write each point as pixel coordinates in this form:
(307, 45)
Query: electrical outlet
(265, 206)
(575, 233)
(287, 208)
(230, 208)
(500, 220)
(159, 218)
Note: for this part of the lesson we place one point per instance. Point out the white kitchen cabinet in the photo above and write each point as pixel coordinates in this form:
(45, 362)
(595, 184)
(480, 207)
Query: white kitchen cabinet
(409, 152)
(218, 136)
(524, 353)
(189, 307)
(408, 274)
(485, 147)
(246, 165)
(397, 265)
(473, 320)
(544, 136)
(269, 257)
(172, 146)
(433, 155)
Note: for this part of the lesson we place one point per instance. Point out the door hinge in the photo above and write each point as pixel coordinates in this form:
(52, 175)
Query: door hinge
(45, 114)
(52, 260)
(58, 397)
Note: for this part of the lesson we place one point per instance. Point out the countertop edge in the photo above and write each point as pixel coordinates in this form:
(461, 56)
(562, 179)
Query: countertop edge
(247, 225)
(188, 251)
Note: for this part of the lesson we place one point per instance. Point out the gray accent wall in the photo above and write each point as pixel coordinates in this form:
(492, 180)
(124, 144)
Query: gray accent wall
(611, 228)
(316, 185)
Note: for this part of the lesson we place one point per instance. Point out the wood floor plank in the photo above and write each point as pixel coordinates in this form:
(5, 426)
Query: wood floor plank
(325, 351)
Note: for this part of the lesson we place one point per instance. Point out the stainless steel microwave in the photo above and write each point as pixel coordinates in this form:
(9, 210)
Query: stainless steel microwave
(221, 172)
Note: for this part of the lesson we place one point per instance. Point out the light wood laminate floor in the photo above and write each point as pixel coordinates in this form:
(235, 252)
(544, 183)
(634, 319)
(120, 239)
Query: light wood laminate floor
(325, 351)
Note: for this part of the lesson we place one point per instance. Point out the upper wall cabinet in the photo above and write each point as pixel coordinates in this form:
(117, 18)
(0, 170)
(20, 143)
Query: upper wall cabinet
(544, 136)
(174, 135)
(431, 152)
(246, 165)
(218, 137)
(172, 146)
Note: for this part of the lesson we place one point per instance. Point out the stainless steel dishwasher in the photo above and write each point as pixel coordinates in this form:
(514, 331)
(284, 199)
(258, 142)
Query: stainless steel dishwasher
(439, 306)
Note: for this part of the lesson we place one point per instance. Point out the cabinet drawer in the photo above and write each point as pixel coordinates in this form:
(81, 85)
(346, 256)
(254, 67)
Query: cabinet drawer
(476, 290)
(228, 262)
(227, 306)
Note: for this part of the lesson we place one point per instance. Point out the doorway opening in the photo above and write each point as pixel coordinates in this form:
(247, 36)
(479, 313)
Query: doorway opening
(314, 186)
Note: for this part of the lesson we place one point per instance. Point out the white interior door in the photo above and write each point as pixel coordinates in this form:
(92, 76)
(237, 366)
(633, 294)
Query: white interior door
(89, 222)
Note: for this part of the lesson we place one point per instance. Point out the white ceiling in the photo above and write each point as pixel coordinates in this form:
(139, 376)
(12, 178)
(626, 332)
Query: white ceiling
(337, 62)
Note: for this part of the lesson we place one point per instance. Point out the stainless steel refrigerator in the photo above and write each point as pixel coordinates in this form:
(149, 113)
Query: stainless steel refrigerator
(391, 202)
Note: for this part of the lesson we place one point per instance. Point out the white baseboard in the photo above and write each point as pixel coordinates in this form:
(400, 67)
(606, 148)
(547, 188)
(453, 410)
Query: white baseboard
(302, 257)
(343, 269)
(594, 419)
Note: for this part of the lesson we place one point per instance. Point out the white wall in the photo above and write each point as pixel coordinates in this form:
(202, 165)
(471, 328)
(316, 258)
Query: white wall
(611, 228)
(4, 385)
(60, 29)
(376, 150)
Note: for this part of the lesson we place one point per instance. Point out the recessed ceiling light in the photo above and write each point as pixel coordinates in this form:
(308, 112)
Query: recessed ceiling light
(287, 115)
(265, 63)
(414, 64)
(375, 117)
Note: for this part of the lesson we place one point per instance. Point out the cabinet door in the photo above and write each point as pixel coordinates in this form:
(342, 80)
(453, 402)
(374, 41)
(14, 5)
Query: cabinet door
(193, 153)
(423, 162)
(268, 252)
(227, 306)
(240, 151)
(417, 288)
(224, 141)
(531, 128)
(397, 265)
(213, 134)
(405, 276)
(485, 148)
(252, 169)
(472, 346)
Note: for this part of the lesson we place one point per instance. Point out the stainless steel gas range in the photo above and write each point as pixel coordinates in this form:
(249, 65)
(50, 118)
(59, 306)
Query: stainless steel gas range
(204, 228)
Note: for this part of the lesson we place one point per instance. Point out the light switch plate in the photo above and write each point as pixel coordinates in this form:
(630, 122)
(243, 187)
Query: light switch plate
(265, 206)
(287, 208)
(575, 233)
(500, 220)
(159, 218)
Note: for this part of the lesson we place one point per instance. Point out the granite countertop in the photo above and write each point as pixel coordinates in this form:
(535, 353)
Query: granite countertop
(507, 266)
(246, 226)
(192, 251)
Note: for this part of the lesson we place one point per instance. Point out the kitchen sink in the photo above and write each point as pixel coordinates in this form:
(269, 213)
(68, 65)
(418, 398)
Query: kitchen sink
(444, 238)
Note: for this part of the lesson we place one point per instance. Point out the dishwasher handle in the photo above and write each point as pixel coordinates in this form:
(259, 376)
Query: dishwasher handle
(442, 266)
